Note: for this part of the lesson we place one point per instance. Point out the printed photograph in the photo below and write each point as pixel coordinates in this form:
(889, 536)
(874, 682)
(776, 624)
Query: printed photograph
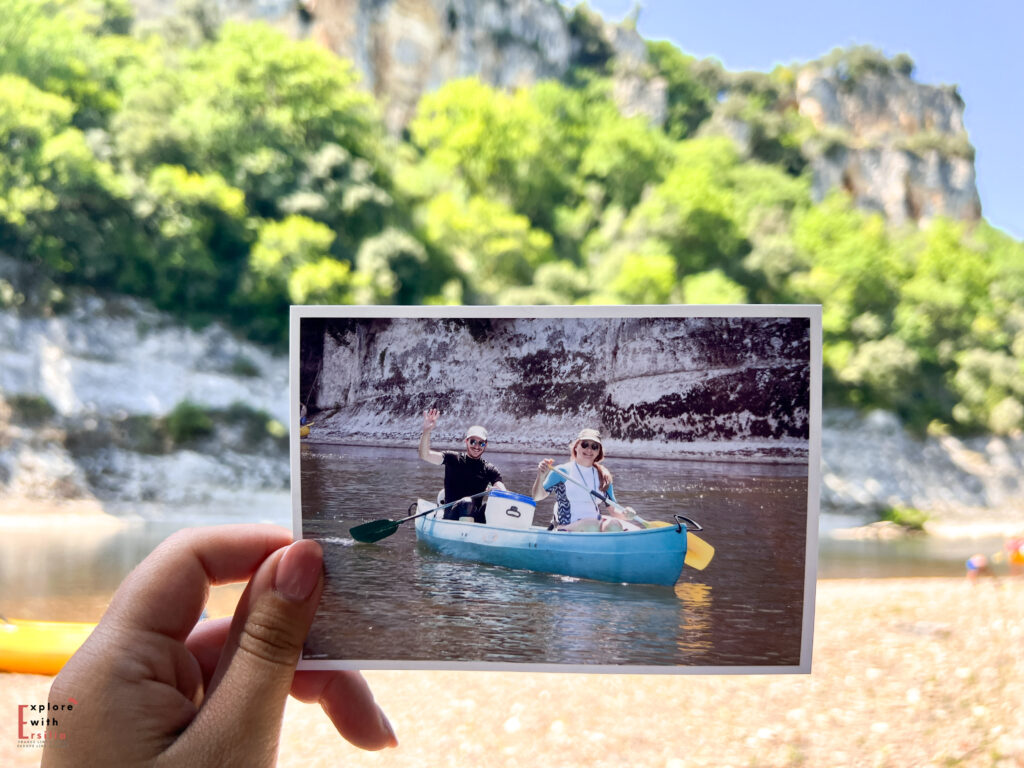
(565, 488)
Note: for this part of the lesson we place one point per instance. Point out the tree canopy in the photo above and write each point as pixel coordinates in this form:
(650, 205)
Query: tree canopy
(226, 171)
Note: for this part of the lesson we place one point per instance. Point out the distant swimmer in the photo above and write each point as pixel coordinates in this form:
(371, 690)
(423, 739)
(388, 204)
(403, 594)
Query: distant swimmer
(978, 566)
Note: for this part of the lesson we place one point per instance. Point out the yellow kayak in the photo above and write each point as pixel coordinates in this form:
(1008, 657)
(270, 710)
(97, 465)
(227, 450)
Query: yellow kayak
(39, 647)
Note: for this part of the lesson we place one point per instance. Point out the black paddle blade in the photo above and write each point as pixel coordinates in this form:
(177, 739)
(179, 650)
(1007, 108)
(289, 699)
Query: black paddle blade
(373, 531)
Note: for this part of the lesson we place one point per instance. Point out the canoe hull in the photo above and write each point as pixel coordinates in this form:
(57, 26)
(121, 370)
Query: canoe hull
(651, 556)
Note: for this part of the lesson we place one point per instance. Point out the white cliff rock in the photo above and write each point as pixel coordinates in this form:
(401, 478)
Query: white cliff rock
(905, 151)
(102, 359)
(868, 463)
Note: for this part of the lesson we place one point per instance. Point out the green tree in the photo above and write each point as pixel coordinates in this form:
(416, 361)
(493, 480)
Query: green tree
(393, 265)
(285, 260)
(690, 99)
(259, 110)
(946, 290)
(201, 240)
(60, 207)
(492, 248)
(691, 214)
(498, 144)
(71, 49)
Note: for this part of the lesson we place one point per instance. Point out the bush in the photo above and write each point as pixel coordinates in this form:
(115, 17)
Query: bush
(188, 422)
(256, 425)
(31, 409)
(907, 517)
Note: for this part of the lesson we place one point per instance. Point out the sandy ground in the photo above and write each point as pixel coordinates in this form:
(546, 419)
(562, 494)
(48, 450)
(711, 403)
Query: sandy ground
(915, 672)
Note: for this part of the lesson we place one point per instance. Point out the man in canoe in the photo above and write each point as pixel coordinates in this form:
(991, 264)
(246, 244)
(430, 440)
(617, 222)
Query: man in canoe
(465, 474)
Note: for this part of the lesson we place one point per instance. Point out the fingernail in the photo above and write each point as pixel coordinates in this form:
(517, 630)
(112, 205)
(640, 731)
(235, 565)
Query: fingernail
(299, 570)
(386, 724)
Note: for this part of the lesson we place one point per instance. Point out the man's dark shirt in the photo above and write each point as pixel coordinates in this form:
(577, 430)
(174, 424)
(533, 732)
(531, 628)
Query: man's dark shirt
(464, 476)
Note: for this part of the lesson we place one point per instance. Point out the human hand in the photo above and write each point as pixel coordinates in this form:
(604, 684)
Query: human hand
(152, 686)
(430, 419)
(544, 467)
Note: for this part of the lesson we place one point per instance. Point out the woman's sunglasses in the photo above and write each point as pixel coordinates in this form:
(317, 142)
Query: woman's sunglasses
(589, 446)
(474, 443)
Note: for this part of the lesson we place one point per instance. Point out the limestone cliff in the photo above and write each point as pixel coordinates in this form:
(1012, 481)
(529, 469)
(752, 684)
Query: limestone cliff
(655, 387)
(899, 147)
(406, 48)
(106, 369)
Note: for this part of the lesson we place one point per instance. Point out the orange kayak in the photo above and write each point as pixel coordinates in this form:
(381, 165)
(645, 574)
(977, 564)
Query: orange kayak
(39, 647)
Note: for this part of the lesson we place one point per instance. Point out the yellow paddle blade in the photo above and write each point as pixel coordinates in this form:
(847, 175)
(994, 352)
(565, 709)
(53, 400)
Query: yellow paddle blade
(698, 552)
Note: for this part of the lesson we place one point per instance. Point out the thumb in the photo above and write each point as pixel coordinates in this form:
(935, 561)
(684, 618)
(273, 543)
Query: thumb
(239, 722)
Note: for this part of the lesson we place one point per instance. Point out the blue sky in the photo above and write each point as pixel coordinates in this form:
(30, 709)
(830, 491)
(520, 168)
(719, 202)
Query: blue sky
(976, 46)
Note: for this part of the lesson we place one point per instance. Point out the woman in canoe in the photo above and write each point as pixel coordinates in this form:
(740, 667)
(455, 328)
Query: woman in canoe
(576, 508)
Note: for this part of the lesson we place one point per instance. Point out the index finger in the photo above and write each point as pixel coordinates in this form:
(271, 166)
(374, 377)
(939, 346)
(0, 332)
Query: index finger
(167, 591)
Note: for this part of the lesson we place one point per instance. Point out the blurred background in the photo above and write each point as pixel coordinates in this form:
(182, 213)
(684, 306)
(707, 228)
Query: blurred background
(173, 178)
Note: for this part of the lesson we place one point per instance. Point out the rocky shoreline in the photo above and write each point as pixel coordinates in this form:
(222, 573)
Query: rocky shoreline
(107, 381)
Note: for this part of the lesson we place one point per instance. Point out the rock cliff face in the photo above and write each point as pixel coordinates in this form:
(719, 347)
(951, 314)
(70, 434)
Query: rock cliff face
(105, 367)
(897, 146)
(871, 463)
(655, 387)
(903, 152)
(100, 379)
(406, 48)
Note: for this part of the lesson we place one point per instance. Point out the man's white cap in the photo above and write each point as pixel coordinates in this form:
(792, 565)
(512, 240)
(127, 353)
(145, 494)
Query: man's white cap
(476, 431)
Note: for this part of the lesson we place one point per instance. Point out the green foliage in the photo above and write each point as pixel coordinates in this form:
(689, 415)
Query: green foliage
(853, 64)
(690, 98)
(188, 422)
(61, 207)
(774, 131)
(907, 517)
(256, 426)
(491, 246)
(243, 366)
(991, 389)
(498, 144)
(643, 276)
(227, 172)
(691, 213)
(593, 52)
(924, 142)
(31, 409)
(202, 239)
(712, 287)
(392, 262)
(69, 49)
(281, 248)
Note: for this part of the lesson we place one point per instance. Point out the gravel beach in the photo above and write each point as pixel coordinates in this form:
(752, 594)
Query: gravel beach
(907, 672)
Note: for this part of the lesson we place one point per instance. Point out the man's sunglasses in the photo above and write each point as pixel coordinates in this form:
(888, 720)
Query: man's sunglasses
(474, 443)
(589, 446)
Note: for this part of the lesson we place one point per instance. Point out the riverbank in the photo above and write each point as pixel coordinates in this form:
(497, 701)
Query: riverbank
(906, 672)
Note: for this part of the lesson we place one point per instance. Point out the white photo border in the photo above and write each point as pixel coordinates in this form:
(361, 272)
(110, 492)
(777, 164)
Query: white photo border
(810, 311)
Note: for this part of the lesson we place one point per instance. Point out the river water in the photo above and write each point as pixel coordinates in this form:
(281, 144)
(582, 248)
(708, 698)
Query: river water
(399, 601)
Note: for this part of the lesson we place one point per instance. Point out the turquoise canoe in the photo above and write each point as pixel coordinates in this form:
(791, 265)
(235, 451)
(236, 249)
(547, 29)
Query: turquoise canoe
(649, 556)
